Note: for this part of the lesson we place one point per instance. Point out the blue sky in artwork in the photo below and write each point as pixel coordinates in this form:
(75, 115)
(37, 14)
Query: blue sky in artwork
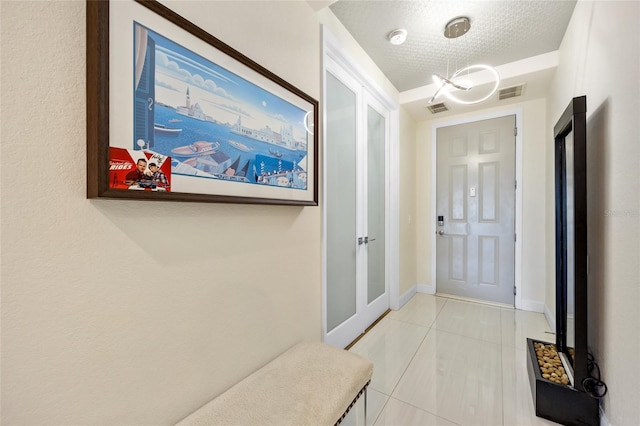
(221, 93)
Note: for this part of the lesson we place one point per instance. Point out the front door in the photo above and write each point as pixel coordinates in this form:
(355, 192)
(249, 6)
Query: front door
(475, 208)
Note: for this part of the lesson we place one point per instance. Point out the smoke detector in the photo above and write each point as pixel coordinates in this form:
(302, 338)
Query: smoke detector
(397, 37)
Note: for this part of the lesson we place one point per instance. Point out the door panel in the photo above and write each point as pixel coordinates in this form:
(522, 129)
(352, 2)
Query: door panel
(457, 193)
(341, 203)
(475, 249)
(376, 138)
(488, 259)
(458, 258)
(377, 144)
(489, 192)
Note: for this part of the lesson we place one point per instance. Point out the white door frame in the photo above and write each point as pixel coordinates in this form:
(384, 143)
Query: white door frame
(333, 52)
(518, 245)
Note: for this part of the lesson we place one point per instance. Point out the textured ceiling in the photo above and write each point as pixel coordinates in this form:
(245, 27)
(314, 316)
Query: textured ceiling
(501, 32)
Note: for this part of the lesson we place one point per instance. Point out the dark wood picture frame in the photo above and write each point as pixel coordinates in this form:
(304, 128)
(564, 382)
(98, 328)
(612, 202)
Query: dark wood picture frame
(571, 236)
(100, 126)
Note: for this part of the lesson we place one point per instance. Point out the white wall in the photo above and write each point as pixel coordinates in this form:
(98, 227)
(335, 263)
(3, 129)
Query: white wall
(407, 213)
(534, 147)
(603, 63)
(125, 312)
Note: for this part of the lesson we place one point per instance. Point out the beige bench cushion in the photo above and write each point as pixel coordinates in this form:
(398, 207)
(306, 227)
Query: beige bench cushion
(310, 384)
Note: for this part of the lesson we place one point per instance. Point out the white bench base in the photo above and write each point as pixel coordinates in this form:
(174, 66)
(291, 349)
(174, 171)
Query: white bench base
(310, 384)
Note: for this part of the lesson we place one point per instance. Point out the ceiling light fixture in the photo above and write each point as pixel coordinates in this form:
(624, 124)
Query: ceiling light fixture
(397, 37)
(459, 87)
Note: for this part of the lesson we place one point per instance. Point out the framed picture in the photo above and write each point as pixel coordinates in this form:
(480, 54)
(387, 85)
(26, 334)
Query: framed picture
(173, 113)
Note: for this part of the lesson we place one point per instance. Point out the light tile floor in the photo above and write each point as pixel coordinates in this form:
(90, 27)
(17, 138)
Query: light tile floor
(441, 361)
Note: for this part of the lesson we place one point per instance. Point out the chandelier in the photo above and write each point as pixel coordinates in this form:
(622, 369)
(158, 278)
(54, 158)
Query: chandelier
(471, 84)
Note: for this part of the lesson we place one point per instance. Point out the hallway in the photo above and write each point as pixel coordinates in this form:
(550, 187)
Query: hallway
(441, 361)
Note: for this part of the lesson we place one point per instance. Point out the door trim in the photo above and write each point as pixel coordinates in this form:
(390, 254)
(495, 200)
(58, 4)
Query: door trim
(518, 228)
(333, 51)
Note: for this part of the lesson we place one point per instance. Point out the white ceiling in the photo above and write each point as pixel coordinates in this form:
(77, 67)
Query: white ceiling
(504, 34)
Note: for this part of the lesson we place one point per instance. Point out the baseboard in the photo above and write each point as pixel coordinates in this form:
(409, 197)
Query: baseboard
(471, 300)
(527, 305)
(604, 421)
(406, 297)
(426, 288)
(532, 306)
(550, 318)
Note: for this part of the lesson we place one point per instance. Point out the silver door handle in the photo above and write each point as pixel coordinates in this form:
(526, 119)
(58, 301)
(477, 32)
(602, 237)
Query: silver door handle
(441, 232)
(364, 240)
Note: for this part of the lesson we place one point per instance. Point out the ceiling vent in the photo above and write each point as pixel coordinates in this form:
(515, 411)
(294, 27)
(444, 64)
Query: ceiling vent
(511, 92)
(436, 108)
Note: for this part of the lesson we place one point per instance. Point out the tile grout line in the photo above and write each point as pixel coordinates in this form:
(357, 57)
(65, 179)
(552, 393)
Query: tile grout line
(474, 337)
(425, 411)
(386, 402)
(508, 330)
(499, 344)
(409, 363)
(411, 360)
(430, 329)
(405, 369)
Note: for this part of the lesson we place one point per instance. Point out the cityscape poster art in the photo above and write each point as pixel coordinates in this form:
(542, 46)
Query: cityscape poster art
(203, 120)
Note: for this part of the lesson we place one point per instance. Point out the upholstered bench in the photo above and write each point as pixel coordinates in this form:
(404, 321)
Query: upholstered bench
(310, 384)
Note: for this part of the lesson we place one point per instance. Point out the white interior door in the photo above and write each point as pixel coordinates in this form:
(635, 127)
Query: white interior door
(356, 219)
(341, 201)
(475, 208)
(375, 209)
